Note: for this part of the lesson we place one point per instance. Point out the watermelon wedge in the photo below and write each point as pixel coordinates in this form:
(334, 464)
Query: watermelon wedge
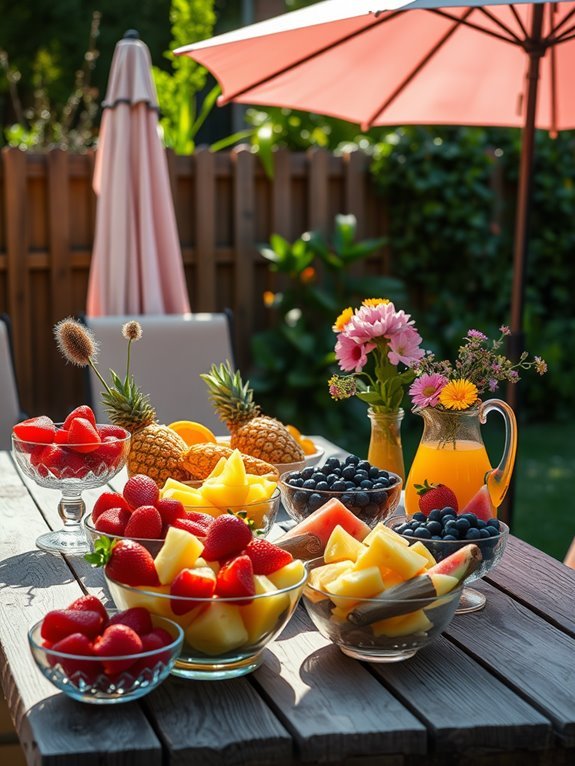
(322, 522)
(481, 505)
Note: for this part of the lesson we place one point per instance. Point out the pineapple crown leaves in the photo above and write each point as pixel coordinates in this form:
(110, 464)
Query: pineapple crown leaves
(124, 396)
(231, 397)
(102, 553)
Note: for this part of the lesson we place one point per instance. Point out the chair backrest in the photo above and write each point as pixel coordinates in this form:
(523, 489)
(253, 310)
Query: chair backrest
(166, 362)
(10, 412)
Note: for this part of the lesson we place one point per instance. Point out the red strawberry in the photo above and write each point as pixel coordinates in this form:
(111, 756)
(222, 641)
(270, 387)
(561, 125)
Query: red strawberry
(40, 430)
(138, 618)
(145, 522)
(82, 436)
(36, 459)
(90, 603)
(170, 509)
(192, 583)
(432, 496)
(236, 578)
(107, 455)
(106, 501)
(60, 623)
(60, 436)
(117, 641)
(62, 463)
(227, 536)
(266, 557)
(152, 641)
(109, 430)
(190, 526)
(83, 411)
(76, 643)
(113, 521)
(141, 490)
(126, 561)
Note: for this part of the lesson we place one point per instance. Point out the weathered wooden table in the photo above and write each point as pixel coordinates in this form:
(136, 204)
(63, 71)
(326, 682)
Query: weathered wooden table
(498, 687)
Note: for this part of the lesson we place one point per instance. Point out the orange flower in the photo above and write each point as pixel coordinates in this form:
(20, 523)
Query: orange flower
(374, 301)
(458, 394)
(268, 298)
(307, 275)
(343, 319)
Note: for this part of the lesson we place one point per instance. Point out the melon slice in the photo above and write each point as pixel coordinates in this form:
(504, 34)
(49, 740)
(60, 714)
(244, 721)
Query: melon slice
(481, 505)
(323, 521)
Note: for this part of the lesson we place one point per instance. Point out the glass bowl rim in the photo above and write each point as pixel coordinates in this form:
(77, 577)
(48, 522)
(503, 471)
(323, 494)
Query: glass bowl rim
(172, 647)
(363, 600)
(238, 600)
(121, 440)
(503, 534)
(275, 495)
(397, 483)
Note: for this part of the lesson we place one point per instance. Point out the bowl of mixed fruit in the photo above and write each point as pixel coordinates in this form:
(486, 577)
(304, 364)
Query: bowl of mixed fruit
(371, 493)
(230, 591)
(104, 656)
(381, 600)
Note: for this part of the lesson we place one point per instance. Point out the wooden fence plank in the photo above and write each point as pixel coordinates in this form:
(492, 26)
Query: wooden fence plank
(204, 288)
(244, 216)
(318, 187)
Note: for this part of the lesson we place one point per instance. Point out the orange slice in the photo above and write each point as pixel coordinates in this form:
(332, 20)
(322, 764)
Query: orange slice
(192, 432)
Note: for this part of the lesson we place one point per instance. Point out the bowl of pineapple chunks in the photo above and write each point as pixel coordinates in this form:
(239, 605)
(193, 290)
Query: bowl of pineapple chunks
(380, 599)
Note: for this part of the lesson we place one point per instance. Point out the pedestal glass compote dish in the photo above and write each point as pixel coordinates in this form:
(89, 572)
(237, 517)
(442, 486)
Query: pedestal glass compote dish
(71, 467)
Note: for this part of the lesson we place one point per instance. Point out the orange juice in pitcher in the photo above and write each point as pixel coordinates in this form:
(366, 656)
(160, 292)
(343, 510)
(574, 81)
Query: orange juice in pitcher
(452, 452)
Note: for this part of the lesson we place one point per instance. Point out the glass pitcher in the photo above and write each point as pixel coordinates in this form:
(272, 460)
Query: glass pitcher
(452, 452)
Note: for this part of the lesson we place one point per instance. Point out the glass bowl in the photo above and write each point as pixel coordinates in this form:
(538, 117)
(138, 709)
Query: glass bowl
(71, 469)
(369, 505)
(394, 631)
(491, 548)
(262, 513)
(223, 637)
(91, 684)
(92, 534)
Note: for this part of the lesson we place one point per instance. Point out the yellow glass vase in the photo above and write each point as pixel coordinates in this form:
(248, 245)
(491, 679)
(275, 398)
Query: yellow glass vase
(385, 448)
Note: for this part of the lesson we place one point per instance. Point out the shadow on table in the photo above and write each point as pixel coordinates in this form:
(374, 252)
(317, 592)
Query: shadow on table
(33, 570)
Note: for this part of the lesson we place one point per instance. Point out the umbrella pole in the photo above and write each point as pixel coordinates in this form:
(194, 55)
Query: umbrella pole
(516, 341)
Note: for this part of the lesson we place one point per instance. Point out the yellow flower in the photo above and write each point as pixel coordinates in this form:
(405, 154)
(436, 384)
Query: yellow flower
(458, 394)
(269, 298)
(343, 319)
(374, 301)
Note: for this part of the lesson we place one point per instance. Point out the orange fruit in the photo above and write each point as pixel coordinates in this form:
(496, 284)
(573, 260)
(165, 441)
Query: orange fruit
(192, 432)
(306, 444)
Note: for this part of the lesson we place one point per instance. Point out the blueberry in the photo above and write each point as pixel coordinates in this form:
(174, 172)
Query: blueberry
(366, 484)
(361, 499)
(318, 476)
(436, 537)
(493, 523)
(381, 483)
(360, 476)
(299, 500)
(481, 524)
(483, 533)
(331, 478)
(348, 499)
(400, 529)
(350, 485)
(435, 515)
(408, 533)
(296, 482)
(448, 511)
(307, 473)
(370, 511)
(364, 465)
(379, 496)
(373, 472)
(449, 537)
(383, 474)
(333, 462)
(422, 532)
(470, 517)
(339, 486)
(309, 484)
(322, 486)
(434, 527)
(492, 531)
(352, 460)
(348, 472)
(315, 501)
(462, 524)
(450, 524)
(325, 469)
(419, 516)
(473, 533)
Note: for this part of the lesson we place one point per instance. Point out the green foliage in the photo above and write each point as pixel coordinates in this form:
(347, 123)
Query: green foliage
(294, 359)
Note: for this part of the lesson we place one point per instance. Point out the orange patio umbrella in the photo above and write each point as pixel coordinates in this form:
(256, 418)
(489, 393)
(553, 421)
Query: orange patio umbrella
(380, 62)
(136, 263)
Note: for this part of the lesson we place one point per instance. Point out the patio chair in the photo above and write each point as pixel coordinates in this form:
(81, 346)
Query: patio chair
(166, 362)
(10, 410)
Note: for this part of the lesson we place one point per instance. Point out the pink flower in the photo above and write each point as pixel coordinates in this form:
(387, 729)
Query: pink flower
(351, 354)
(425, 390)
(404, 347)
(372, 322)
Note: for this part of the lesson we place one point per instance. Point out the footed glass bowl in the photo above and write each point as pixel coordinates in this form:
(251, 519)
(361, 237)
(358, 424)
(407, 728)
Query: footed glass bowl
(491, 548)
(83, 677)
(223, 637)
(376, 630)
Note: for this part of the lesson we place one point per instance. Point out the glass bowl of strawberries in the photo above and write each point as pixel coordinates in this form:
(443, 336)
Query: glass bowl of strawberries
(72, 456)
(104, 656)
(231, 592)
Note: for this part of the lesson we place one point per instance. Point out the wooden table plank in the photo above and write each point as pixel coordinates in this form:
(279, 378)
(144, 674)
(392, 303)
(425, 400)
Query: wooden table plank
(52, 729)
(333, 706)
(529, 655)
(549, 589)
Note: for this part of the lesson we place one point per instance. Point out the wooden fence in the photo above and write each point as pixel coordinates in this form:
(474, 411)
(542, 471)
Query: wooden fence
(225, 207)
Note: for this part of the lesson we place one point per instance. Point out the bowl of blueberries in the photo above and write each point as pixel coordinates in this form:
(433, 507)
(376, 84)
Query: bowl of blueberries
(443, 531)
(371, 493)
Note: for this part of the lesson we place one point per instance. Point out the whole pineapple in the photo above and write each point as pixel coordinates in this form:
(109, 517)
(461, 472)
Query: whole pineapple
(252, 433)
(201, 459)
(155, 449)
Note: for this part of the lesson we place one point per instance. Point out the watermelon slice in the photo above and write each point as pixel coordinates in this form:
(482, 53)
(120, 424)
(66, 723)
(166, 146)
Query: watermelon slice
(481, 505)
(323, 521)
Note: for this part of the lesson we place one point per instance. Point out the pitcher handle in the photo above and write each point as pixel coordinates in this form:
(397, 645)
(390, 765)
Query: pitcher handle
(498, 479)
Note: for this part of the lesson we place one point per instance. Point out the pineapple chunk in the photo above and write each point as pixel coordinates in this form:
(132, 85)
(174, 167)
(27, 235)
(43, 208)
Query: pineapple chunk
(126, 599)
(419, 547)
(222, 495)
(356, 585)
(179, 551)
(218, 468)
(321, 576)
(218, 629)
(213, 565)
(341, 546)
(261, 616)
(404, 625)
(288, 575)
(384, 552)
(381, 527)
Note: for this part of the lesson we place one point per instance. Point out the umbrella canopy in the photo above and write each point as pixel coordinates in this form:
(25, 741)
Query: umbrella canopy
(136, 263)
(390, 62)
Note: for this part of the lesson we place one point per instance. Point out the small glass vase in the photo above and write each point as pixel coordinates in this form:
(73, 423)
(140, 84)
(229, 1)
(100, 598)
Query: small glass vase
(385, 448)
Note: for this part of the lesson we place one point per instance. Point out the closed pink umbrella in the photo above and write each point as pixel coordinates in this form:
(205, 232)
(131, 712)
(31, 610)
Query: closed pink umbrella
(137, 263)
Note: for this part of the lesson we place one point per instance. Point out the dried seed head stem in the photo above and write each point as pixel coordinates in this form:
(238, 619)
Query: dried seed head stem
(77, 345)
(132, 331)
